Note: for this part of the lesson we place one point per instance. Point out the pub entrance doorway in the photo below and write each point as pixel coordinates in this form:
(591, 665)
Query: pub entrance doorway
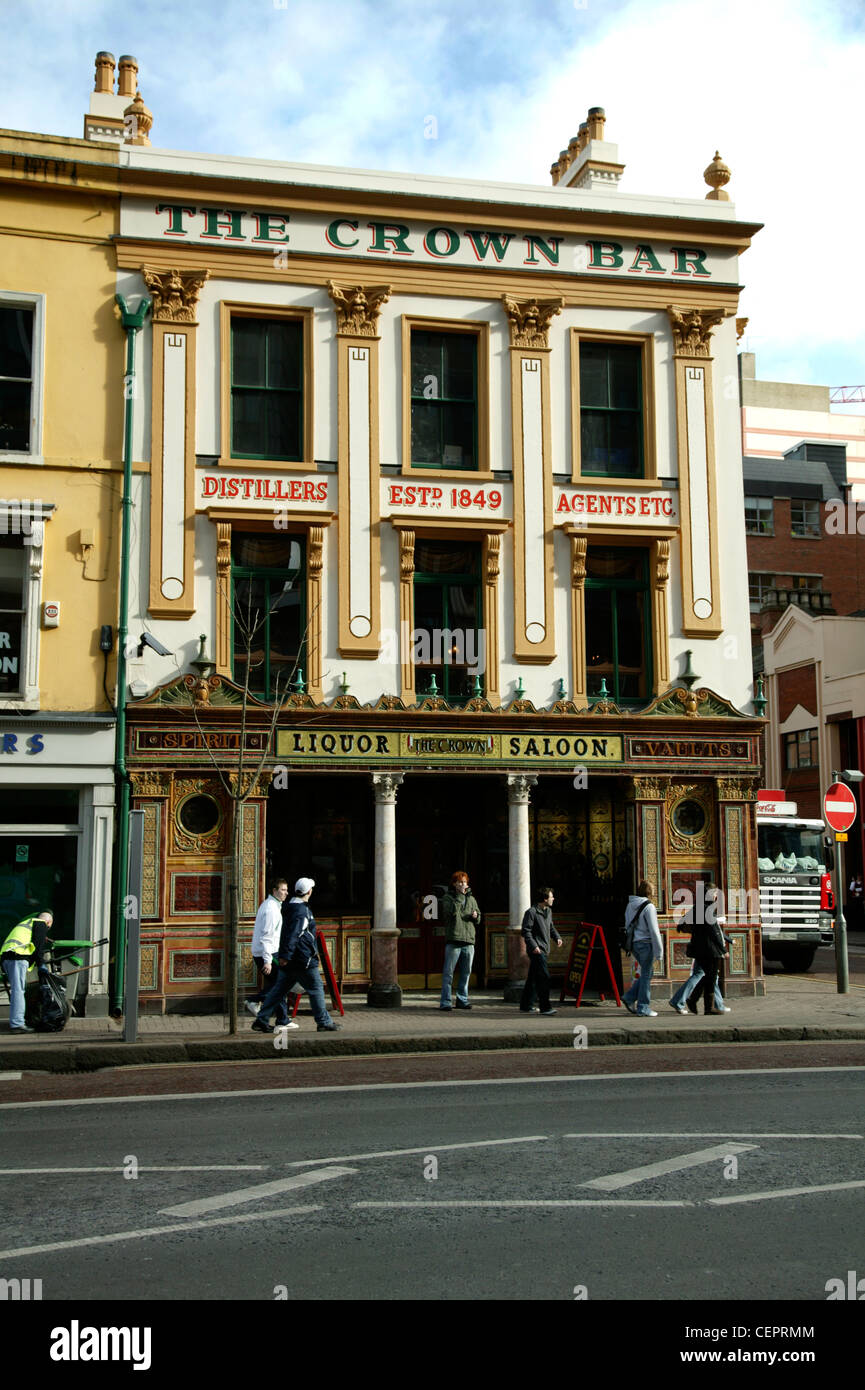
(445, 823)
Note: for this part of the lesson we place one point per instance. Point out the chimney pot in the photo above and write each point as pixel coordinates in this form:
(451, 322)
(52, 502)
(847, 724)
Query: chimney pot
(104, 72)
(127, 82)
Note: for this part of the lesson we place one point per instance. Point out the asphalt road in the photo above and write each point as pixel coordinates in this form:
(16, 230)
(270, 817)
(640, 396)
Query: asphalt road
(674, 1186)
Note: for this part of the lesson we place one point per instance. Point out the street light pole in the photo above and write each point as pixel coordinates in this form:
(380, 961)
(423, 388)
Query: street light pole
(133, 322)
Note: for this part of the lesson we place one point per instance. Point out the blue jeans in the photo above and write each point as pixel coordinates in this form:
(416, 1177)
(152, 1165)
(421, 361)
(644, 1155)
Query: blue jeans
(16, 973)
(267, 981)
(684, 992)
(290, 975)
(644, 953)
(461, 957)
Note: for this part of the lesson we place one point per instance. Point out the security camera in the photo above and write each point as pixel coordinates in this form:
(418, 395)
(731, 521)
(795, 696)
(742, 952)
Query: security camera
(147, 640)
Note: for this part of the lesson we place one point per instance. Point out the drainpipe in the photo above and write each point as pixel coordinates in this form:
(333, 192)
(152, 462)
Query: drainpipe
(133, 322)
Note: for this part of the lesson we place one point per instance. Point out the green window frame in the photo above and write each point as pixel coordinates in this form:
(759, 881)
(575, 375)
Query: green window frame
(618, 624)
(444, 400)
(268, 611)
(447, 596)
(611, 410)
(267, 378)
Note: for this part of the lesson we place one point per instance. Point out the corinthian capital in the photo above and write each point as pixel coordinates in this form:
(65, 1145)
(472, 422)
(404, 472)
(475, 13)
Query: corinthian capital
(529, 320)
(357, 308)
(692, 329)
(174, 293)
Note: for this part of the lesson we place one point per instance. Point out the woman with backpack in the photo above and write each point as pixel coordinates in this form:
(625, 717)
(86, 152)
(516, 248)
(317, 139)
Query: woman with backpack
(643, 941)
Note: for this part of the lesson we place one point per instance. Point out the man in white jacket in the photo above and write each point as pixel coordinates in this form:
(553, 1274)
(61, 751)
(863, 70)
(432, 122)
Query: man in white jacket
(647, 948)
(265, 944)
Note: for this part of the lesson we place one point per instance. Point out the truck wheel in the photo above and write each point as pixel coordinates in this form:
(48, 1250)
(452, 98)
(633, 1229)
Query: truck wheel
(795, 959)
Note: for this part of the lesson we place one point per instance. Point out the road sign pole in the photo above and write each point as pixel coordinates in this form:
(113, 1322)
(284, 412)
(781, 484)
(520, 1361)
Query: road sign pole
(842, 964)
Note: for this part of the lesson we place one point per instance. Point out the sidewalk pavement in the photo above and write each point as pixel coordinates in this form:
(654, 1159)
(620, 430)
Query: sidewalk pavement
(794, 1008)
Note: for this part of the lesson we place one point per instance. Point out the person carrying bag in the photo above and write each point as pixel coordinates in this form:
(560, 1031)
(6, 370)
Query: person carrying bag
(643, 941)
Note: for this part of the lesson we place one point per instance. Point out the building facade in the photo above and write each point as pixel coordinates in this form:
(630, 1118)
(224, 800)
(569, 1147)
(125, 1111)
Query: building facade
(439, 551)
(61, 413)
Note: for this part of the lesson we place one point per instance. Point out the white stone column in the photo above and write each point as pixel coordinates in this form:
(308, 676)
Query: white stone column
(384, 991)
(519, 880)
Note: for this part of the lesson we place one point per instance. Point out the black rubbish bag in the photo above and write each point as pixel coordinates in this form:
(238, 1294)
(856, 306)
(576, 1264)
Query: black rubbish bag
(50, 1007)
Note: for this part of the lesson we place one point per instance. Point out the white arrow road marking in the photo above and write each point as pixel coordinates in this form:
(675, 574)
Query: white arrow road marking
(253, 1194)
(613, 1181)
(553, 1202)
(183, 1226)
(697, 1134)
(424, 1149)
(787, 1192)
(11, 1075)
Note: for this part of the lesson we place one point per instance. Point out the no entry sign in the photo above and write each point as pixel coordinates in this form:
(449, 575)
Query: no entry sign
(839, 806)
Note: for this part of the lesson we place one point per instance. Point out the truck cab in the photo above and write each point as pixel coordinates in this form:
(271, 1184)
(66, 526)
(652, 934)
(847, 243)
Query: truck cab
(795, 891)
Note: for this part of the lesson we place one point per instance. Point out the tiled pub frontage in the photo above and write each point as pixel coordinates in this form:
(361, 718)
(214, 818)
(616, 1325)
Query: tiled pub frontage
(380, 804)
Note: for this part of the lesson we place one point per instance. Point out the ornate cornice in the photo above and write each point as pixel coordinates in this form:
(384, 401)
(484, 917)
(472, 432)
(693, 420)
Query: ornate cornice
(692, 329)
(150, 783)
(736, 789)
(174, 293)
(529, 320)
(357, 308)
(650, 788)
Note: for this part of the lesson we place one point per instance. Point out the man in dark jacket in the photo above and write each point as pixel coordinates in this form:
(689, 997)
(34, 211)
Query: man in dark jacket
(537, 929)
(460, 915)
(707, 947)
(298, 962)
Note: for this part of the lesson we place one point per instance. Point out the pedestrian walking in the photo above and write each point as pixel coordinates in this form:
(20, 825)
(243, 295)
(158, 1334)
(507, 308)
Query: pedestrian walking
(21, 951)
(683, 994)
(460, 916)
(646, 946)
(537, 929)
(298, 962)
(708, 947)
(265, 944)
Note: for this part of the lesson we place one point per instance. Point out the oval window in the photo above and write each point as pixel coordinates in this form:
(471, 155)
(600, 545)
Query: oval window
(198, 815)
(689, 818)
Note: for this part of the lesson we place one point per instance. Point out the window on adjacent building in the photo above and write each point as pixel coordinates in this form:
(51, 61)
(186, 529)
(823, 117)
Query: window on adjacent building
(758, 587)
(12, 612)
(444, 399)
(759, 516)
(814, 582)
(268, 611)
(800, 749)
(611, 410)
(618, 645)
(447, 641)
(267, 406)
(804, 518)
(16, 377)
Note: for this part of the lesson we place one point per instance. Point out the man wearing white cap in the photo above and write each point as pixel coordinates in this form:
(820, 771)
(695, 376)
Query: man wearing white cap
(298, 961)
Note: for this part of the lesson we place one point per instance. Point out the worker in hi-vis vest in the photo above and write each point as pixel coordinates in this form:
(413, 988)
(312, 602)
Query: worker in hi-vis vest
(21, 950)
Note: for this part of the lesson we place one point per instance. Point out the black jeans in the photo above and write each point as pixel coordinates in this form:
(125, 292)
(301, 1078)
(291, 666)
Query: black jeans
(706, 987)
(537, 980)
(265, 985)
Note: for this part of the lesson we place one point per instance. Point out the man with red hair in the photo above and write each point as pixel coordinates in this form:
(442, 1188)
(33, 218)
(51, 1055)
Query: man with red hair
(460, 915)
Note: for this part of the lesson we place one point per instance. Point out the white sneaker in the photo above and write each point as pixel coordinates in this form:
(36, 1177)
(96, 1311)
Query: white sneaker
(253, 1008)
(281, 1027)
(650, 1013)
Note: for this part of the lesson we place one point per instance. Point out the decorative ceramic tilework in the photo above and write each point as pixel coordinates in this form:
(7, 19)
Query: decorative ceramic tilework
(195, 965)
(250, 839)
(678, 946)
(651, 843)
(737, 963)
(498, 949)
(248, 972)
(150, 860)
(147, 976)
(733, 842)
(194, 893)
(354, 948)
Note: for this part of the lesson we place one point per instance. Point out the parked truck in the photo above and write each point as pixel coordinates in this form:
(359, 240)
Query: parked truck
(796, 904)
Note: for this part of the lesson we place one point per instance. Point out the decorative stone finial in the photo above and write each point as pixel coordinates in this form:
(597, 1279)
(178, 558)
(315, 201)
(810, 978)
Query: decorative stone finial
(137, 122)
(716, 175)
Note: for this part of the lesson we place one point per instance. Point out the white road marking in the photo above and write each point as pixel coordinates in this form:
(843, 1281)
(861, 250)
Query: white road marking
(254, 1194)
(421, 1149)
(147, 1168)
(704, 1076)
(786, 1192)
(700, 1134)
(557, 1202)
(118, 1236)
(11, 1075)
(613, 1181)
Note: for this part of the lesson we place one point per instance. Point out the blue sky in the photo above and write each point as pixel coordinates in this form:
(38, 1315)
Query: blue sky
(776, 85)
